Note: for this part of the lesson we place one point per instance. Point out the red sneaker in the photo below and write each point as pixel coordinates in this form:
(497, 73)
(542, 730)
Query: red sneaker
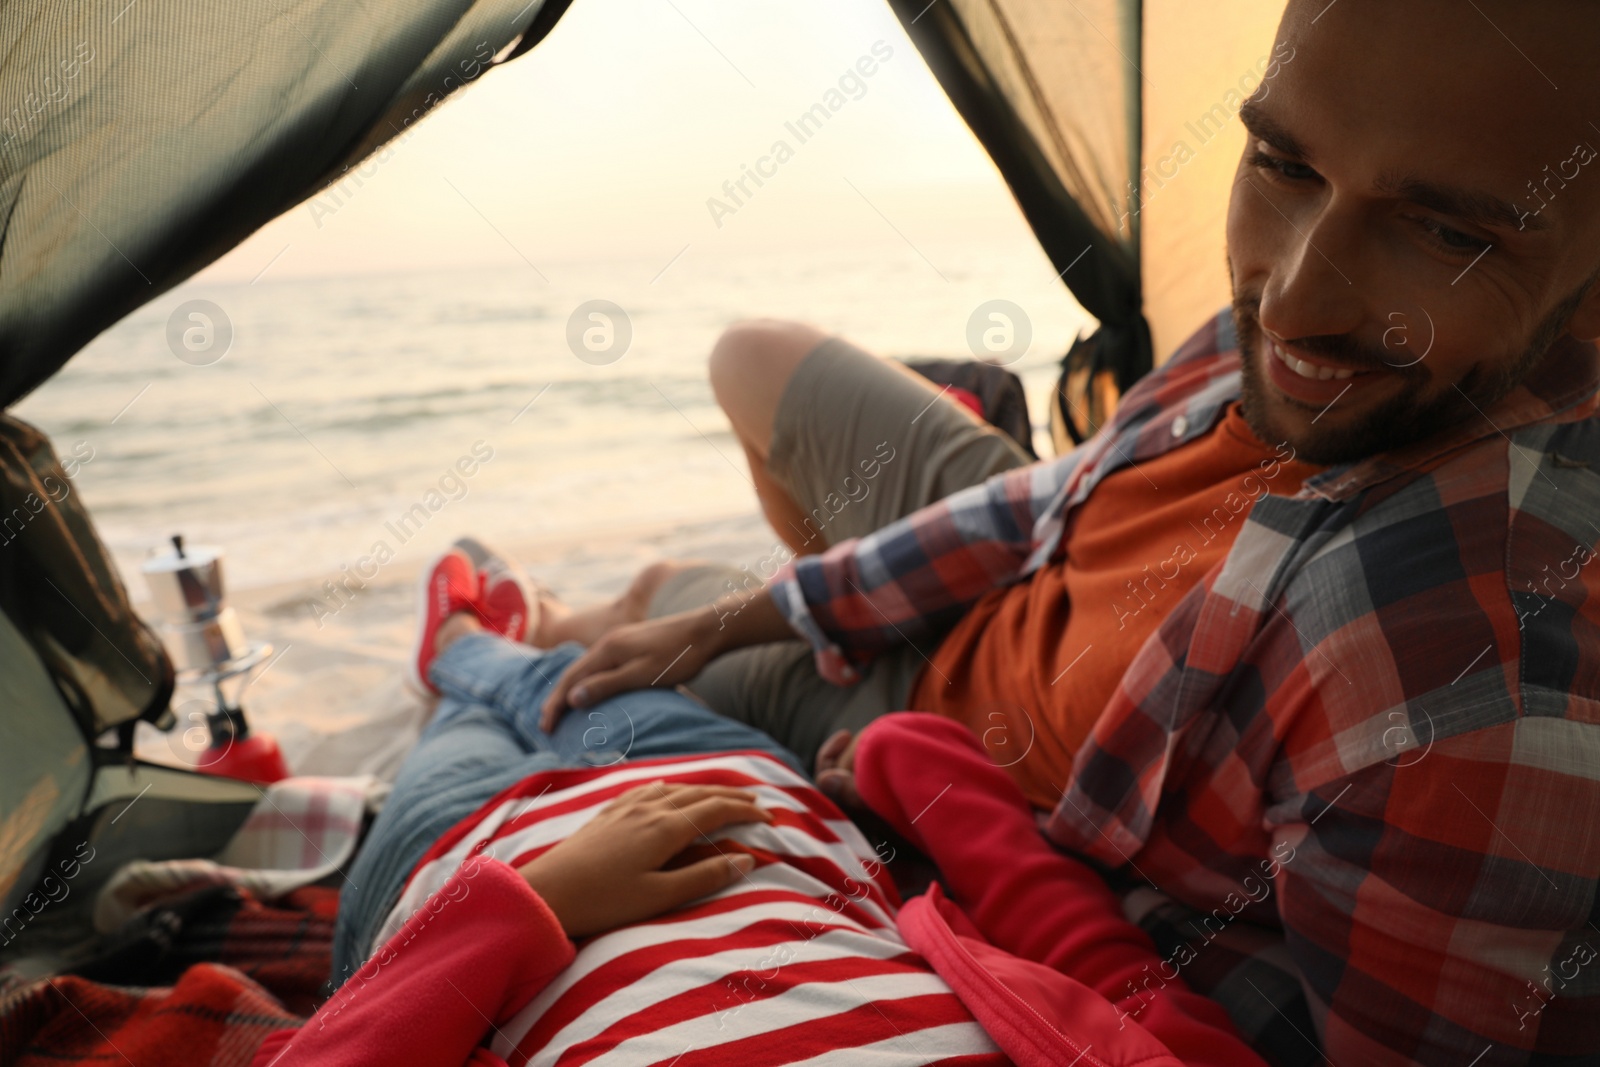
(508, 602)
(450, 584)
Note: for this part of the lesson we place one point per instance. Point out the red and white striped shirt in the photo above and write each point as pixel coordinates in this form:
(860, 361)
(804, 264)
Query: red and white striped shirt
(798, 962)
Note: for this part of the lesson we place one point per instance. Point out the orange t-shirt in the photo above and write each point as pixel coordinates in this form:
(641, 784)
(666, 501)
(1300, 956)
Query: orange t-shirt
(1032, 665)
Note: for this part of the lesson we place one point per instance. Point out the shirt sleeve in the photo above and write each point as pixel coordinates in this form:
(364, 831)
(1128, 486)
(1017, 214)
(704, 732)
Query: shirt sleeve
(1441, 904)
(428, 996)
(914, 577)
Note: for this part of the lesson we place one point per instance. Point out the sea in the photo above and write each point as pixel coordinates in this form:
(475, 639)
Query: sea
(298, 421)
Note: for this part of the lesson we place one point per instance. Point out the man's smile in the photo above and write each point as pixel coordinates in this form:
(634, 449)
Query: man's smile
(1307, 380)
(1308, 368)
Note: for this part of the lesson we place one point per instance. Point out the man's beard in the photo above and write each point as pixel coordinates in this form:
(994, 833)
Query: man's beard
(1412, 414)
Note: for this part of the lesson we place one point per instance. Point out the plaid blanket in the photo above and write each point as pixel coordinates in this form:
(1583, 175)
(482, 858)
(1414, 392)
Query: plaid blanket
(302, 830)
(202, 980)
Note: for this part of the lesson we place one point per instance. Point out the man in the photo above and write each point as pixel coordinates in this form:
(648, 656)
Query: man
(1363, 700)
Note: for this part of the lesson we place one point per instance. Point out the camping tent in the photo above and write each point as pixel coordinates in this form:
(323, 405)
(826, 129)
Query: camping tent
(141, 139)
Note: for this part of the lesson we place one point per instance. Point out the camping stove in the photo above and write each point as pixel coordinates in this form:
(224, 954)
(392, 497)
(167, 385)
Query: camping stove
(207, 644)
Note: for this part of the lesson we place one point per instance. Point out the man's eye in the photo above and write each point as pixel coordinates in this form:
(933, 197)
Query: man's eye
(1451, 240)
(1285, 168)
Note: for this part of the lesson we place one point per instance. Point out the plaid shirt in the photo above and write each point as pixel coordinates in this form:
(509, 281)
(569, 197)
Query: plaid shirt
(1376, 723)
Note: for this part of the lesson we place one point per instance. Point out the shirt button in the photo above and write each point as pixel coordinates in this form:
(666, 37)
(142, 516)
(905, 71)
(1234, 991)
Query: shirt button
(1180, 425)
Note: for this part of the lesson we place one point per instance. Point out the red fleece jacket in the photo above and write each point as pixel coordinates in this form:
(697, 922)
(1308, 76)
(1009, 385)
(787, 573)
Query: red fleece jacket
(1042, 956)
(427, 997)
(1028, 899)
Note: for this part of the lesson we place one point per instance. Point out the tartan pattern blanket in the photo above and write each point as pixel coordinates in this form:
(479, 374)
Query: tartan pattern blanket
(202, 981)
(302, 830)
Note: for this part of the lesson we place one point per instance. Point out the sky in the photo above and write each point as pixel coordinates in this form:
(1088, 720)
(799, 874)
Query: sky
(609, 139)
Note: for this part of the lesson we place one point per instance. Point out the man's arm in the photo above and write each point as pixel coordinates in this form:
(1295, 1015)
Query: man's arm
(858, 598)
(917, 575)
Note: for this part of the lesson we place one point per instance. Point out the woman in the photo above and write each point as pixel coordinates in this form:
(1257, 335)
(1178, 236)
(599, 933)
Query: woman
(650, 883)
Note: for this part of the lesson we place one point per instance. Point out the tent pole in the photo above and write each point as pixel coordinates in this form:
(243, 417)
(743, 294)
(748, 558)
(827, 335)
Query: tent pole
(1133, 45)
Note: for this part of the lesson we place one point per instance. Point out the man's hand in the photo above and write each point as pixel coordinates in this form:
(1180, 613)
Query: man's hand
(663, 652)
(615, 869)
(638, 655)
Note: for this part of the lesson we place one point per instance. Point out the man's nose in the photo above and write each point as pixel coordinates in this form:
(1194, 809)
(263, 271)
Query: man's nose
(1314, 288)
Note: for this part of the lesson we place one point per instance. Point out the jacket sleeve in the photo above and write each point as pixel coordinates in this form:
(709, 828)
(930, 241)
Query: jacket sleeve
(915, 576)
(471, 957)
(1022, 894)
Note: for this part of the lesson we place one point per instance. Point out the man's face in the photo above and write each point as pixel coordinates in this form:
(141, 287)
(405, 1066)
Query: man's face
(1416, 217)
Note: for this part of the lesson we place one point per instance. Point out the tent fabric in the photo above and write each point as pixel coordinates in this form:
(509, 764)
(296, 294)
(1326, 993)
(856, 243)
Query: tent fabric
(1113, 121)
(44, 770)
(1201, 62)
(992, 74)
(134, 811)
(142, 139)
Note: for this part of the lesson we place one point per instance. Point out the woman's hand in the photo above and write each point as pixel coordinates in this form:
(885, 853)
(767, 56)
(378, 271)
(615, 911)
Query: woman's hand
(615, 870)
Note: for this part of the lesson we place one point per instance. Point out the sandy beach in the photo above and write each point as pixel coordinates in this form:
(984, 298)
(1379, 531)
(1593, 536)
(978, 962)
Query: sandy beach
(333, 694)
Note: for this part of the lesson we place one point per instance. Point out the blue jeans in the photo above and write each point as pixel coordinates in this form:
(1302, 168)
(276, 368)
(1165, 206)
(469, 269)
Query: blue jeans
(485, 737)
